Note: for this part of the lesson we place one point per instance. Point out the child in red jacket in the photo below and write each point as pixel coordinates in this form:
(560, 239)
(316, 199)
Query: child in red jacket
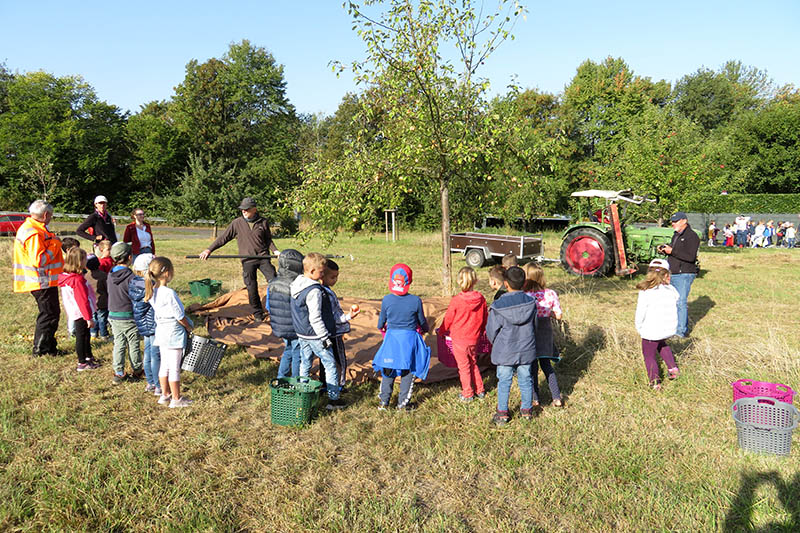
(464, 322)
(80, 304)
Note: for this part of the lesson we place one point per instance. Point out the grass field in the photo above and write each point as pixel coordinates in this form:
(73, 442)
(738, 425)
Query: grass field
(78, 454)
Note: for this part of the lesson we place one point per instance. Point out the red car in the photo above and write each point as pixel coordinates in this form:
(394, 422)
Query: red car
(10, 223)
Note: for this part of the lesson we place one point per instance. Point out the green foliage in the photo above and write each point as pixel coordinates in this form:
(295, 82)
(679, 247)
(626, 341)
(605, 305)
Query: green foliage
(766, 147)
(746, 203)
(60, 120)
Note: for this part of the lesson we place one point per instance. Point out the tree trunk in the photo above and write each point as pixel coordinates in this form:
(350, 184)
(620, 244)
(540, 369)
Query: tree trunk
(446, 267)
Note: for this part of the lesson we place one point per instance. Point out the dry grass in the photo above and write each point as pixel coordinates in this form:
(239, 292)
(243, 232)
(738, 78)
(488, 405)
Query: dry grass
(80, 454)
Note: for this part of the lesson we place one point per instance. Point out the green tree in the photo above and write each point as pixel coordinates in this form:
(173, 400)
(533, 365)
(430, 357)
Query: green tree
(421, 65)
(160, 152)
(59, 120)
(234, 113)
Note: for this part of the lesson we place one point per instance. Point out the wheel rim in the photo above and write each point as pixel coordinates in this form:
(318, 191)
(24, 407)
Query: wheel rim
(585, 255)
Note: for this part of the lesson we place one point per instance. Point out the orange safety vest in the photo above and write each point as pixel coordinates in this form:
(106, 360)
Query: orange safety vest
(38, 259)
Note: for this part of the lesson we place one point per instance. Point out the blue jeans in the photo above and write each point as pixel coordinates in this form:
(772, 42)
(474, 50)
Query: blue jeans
(790, 242)
(741, 238)
(310, 348)
(683, 284)
(290, 360)
(505, 375)
(100, 323)
(152, 360)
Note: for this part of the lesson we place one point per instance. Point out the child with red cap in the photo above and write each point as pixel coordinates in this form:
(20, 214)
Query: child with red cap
(403, 352)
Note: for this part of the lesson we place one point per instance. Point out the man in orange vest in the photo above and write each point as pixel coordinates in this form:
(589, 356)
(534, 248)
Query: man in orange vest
(37, 263)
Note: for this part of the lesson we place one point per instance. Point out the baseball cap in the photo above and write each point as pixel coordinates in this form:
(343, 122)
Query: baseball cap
(400, 278)
(142, 262)
(100, 198)
(120, 250)
(680, 215)
(659, 263)
(247, 203)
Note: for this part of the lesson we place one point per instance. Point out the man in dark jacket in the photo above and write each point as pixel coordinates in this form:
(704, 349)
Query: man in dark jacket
(252, 234)
(510, 328)
(279, 307)
(682, 258)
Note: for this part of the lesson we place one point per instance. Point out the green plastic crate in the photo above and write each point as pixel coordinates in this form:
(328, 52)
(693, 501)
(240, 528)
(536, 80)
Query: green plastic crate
(293, 401)
(205, 288)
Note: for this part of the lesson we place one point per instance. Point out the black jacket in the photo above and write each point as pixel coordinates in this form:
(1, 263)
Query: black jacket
(255, 241)
(683, 259)
(101, 225)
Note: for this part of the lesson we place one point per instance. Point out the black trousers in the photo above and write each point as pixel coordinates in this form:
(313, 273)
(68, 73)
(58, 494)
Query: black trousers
(83, 344)
(250, 277)
(44, 337)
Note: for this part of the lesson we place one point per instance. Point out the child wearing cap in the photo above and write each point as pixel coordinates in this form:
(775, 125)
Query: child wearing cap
(657, 320)
(145, 319)
(120, 315)
(403, 353)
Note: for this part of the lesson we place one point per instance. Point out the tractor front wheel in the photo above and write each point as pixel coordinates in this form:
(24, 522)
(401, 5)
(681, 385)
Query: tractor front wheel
(587, 252)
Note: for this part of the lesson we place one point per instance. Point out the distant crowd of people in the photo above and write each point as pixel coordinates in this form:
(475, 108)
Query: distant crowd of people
(747, 233)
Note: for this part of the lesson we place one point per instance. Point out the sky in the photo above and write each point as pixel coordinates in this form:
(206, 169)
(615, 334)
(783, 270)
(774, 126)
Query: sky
(132, 53)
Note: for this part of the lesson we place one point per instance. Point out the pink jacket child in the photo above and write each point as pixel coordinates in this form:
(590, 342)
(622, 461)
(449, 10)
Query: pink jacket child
(80, 304)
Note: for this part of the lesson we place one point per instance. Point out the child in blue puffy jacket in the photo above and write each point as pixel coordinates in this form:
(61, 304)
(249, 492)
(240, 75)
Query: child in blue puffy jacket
(144, 316)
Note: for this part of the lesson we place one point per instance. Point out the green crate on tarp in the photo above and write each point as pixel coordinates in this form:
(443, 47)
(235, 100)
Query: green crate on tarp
(293, 401)
(205, 288)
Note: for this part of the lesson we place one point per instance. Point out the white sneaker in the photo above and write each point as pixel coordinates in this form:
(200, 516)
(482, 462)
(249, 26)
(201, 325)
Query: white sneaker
(183, 401)
(164, 400)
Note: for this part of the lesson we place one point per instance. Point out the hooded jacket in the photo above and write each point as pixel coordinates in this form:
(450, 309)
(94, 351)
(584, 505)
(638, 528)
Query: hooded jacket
(466, 317)
(120, 306)
(143, 313)
(511, 329)
(279, 300)
(77, 296)
(657, 312)
(312, 314)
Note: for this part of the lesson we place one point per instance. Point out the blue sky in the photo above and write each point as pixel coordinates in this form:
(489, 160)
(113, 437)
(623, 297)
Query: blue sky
(135, 52)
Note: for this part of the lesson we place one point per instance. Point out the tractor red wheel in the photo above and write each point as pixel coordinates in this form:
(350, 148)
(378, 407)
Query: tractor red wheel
(587, 252)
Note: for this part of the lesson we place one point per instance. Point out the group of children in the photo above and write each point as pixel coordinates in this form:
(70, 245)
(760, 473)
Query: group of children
(306, 314)
(136, 304)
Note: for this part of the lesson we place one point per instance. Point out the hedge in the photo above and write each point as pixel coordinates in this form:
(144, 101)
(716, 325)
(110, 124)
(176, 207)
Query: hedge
(747, 203)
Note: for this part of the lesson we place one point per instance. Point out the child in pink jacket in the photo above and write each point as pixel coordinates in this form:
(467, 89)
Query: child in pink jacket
(80, 304)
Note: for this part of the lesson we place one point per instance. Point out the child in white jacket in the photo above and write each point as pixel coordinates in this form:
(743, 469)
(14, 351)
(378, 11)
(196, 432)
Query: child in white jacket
(657, 320)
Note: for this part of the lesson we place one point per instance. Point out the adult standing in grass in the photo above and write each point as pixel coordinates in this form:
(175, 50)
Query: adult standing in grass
(38, 260)
(682, 257)
(139, 234)
(252, 234)
(100, 222)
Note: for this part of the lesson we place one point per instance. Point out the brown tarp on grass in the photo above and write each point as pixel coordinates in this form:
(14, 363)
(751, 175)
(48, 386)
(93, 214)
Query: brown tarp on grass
(229, 319)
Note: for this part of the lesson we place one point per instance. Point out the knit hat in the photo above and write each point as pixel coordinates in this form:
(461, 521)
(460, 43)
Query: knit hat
(399, 278)
(142, 262)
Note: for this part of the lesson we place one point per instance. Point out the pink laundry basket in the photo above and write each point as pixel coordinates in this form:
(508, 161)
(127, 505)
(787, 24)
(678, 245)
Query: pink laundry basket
(749, 388)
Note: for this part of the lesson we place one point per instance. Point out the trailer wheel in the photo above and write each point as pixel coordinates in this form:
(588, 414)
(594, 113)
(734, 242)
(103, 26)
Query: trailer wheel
(475, 258)
(587, 252)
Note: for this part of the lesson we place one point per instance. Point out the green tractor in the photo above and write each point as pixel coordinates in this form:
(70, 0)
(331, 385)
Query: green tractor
(604, 241)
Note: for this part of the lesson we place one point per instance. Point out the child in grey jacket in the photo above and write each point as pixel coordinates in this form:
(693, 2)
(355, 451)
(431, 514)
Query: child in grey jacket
(511, 328)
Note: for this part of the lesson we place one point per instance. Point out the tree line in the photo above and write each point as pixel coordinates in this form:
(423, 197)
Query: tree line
(230, 131)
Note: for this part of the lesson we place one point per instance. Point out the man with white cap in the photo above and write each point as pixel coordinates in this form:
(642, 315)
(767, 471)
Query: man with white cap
(254, 238)
(100, 222)
(682, 257)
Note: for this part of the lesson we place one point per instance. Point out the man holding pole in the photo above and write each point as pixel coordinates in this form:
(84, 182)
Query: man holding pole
(252, 234)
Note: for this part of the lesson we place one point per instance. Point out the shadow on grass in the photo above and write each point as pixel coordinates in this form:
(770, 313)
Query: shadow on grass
(699, 308)
(577, 356)
(740, 514)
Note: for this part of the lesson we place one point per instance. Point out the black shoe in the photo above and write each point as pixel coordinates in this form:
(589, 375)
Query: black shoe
(410, 406)
(500, 420)
(58, 353)
(138, 375)
(335, 404)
